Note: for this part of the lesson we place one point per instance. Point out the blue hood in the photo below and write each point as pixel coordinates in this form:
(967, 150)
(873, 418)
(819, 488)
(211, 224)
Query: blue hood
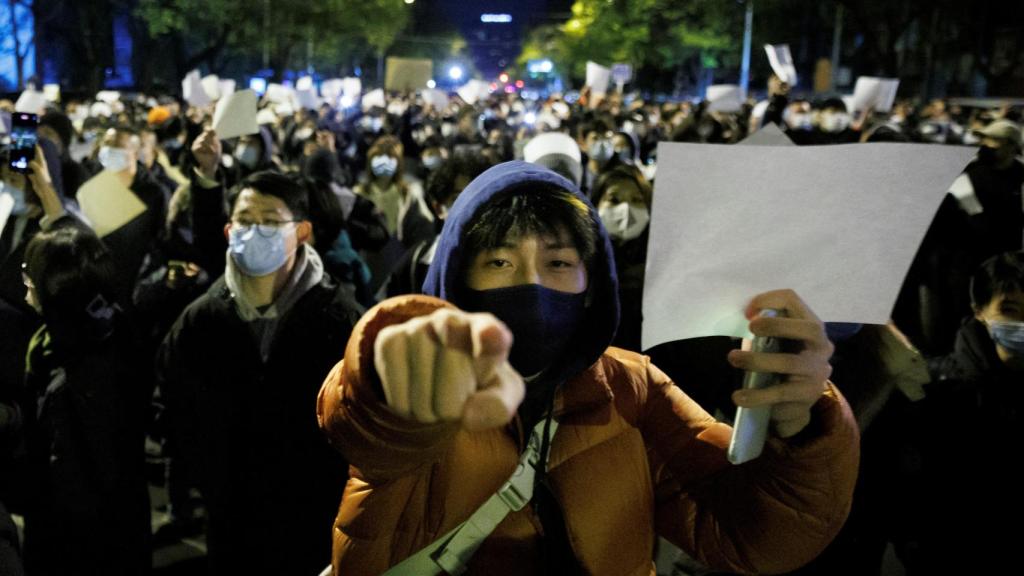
(602, 316)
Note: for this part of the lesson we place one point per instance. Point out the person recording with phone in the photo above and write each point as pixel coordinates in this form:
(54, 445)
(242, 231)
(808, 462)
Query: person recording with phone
(506, 358)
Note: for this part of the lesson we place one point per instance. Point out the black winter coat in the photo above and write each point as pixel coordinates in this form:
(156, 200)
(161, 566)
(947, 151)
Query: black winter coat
(248, 430)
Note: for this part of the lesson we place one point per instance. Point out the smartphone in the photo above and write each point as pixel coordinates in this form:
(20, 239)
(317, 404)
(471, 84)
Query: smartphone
(23, 140)
(750, 430)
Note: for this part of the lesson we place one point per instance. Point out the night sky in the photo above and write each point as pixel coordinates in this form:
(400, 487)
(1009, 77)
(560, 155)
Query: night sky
(492, 46)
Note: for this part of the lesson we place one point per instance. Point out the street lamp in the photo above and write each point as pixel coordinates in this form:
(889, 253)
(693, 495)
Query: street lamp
(455, 73)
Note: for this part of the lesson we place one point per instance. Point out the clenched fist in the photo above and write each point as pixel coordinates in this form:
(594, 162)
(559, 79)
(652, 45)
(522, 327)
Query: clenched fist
(449, 366)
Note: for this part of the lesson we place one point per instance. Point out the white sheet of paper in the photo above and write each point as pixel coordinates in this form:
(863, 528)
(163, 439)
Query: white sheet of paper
(598, 78)
(781, 61)
(211, 84)
(192, 90)
(725, 98)
(107, 203)
(307, 98)
(436, 98)
(374, 99)
(108, 96)
(31, 102)
(236, 115)
(769, 135)
(474, 90)
(278, 93)
(838, 224)
(6, 207)
(304, 83)
(331, 90)
(51, 92)
(227, 87)
(877, 94)
(352, 87)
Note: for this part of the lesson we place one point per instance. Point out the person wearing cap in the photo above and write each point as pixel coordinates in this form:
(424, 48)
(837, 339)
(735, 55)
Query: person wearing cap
(997, 212)
(558, 152)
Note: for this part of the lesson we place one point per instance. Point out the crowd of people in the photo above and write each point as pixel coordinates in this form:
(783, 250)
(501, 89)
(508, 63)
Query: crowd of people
(209, 323)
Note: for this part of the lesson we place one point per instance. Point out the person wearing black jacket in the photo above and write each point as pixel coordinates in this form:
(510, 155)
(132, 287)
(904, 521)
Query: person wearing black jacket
(268, 331)
(974, 410)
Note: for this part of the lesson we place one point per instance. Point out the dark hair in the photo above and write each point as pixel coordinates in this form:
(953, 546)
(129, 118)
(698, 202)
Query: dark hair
(441, 184)
(271, 183)
(325, 213)
(599, 124)
(75, 282)
(618, 173)
(532, 208)
(1000, 274)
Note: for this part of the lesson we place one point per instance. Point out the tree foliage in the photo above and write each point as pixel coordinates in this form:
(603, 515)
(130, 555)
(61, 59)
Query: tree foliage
(337, 30)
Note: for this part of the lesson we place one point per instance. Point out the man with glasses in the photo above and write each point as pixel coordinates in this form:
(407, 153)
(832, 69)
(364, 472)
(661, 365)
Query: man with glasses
(240, 371)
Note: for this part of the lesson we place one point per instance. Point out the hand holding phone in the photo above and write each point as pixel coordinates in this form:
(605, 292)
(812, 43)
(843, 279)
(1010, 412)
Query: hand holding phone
(785, 377)
(751, 427)
(23, 141)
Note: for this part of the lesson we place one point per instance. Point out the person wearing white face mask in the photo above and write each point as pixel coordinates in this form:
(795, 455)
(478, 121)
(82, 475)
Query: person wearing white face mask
(623, 199)
(270, 328)
(118, 152)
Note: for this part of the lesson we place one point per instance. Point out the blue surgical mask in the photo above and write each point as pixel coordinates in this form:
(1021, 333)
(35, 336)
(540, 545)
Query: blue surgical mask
(431, 163)
(19, 198)
(384, 166)
(113, 159)
(258, 249)
(543, 321)
(1009, 335)
(247, 155)
(601, 151)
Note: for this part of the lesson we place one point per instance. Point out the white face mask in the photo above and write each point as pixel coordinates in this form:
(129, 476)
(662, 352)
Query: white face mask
(835, 122)
(624, 221)
(303, 134)
(113, 159)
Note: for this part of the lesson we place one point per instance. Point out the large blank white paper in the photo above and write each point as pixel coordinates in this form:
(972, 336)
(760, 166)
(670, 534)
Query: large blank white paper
(474, 90)
(307, 98)
(211, 85)
(108, 96)
(236, 115)
(278, 93)
(192, 90)
(373, 99)
(725, 98)
(227, 87)
(838, 224)
(877, 94)
(30, 102)
(781, 61)
(107, 203)
(436, 98)
(769, 135)
(598, 78)
(331, 90)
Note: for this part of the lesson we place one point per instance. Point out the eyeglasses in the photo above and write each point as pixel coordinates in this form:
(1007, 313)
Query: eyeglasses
(266, 229)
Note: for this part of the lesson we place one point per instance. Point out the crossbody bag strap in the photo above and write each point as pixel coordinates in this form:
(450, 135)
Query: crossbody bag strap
(451, 553)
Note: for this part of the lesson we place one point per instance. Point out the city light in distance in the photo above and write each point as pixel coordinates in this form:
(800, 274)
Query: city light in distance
(431, 84)
(455, 73)
(496, 18)
(503, 78)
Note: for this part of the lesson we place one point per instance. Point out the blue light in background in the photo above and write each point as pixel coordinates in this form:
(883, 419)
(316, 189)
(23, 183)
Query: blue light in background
(26, 31)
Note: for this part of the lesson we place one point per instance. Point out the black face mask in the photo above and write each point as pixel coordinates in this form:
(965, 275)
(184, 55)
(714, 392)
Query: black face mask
(543, 321)
(988, 155)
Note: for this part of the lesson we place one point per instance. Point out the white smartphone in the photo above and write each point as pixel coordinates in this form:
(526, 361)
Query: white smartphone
(750, 430)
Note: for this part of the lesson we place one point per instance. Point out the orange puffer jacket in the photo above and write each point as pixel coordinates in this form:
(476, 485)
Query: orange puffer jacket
(633, 457)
